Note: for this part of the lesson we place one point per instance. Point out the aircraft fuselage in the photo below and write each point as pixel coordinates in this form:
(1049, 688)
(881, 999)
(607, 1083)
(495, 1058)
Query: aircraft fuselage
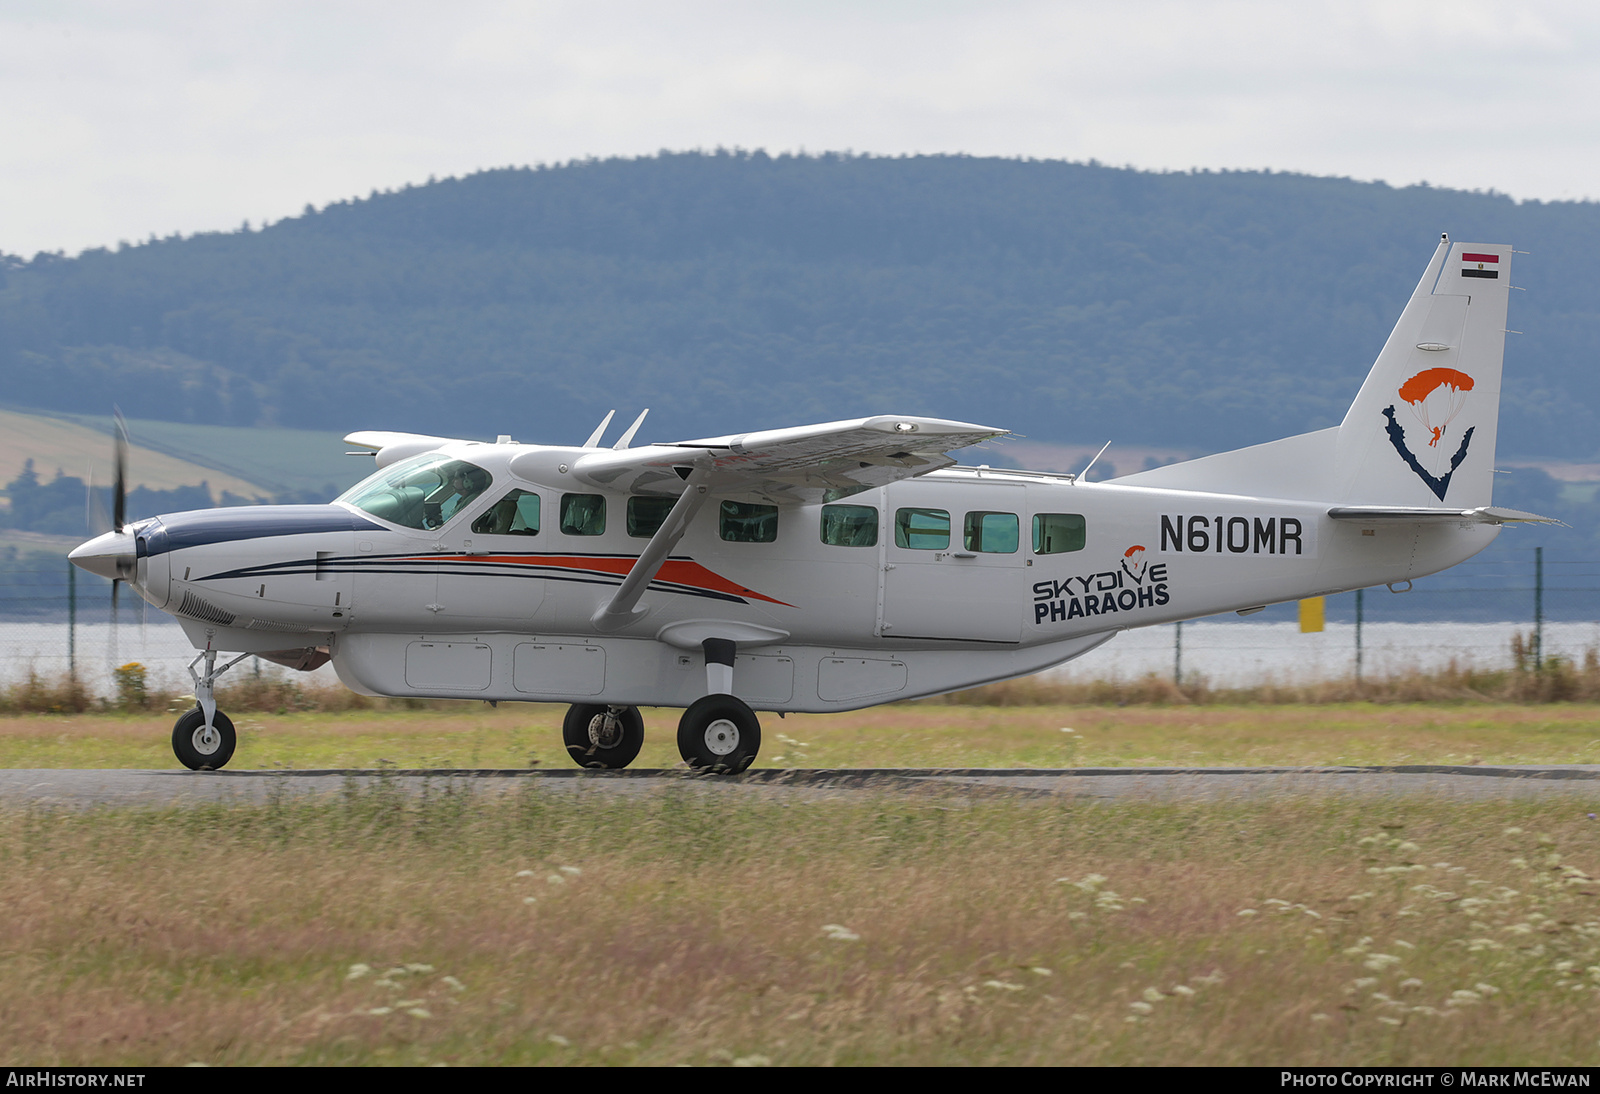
(935, 583)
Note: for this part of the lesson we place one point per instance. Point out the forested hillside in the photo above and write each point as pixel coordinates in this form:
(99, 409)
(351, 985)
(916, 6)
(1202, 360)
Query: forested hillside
(1069, 302)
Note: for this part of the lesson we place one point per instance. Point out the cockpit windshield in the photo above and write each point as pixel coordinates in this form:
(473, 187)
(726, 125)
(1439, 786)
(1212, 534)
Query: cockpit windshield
(422, 492)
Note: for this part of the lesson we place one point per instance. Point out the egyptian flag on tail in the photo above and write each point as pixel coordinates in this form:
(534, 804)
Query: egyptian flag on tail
(1477, 264)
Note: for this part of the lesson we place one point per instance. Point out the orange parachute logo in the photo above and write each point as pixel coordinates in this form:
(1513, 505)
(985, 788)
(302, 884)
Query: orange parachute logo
(1436, 396)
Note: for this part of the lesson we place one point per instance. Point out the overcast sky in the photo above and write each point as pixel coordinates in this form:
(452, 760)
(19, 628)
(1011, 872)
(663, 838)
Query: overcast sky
(123, 119)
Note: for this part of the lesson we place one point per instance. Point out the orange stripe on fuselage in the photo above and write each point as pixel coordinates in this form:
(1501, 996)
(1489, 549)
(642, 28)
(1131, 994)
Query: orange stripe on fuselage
(677, 571)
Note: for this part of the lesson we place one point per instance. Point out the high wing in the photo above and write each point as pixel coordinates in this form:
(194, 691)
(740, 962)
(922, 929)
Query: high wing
(394, 447)
(777, 466)
(784, 466)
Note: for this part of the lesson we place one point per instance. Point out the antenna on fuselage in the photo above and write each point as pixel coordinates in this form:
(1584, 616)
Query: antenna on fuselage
(1081, 475)
(599, 430)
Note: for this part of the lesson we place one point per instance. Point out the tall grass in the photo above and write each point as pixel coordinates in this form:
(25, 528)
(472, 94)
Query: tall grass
(1529, 680)
(704, 927)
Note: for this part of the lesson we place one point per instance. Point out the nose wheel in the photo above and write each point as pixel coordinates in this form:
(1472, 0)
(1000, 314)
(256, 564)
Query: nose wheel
(719, 733)
(201, 747)
(607, 737)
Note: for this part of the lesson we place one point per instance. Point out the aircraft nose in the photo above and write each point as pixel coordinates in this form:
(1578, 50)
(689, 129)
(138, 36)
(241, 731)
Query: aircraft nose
(112, 555)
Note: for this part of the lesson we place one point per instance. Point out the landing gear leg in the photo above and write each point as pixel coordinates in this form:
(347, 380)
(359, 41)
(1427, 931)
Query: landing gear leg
(203, 739)
(719, 732)
(603, 736)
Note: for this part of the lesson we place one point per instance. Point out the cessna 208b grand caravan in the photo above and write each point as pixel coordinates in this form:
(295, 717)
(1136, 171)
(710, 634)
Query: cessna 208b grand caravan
(821, 568)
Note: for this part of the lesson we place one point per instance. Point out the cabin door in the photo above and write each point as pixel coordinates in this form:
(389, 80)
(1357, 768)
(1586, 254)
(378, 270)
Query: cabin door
(952, 559)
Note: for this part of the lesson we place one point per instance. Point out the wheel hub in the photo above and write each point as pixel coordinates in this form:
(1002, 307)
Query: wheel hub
(206, 740)
(605, 730)
(722, 737)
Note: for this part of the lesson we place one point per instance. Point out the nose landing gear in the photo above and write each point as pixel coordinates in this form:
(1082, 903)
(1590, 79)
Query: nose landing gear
(203, 739)
(201, 747)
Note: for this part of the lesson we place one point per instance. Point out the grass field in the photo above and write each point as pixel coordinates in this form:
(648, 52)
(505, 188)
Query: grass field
(693, 927)
(522, 924)
(903, 735)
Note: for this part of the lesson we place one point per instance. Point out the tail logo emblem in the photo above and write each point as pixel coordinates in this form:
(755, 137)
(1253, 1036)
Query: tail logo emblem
(1436, 396)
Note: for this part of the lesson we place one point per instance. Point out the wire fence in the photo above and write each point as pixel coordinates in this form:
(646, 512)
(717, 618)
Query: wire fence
(57, 622)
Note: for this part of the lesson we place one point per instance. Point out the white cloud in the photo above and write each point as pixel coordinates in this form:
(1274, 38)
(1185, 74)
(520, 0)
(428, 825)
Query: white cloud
(126, 119)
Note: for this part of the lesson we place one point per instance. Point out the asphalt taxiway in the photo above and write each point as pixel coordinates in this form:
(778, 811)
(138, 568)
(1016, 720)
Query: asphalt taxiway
(83, 788)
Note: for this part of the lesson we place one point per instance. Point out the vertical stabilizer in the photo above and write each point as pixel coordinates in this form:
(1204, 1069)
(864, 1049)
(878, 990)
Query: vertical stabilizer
(1422, 430)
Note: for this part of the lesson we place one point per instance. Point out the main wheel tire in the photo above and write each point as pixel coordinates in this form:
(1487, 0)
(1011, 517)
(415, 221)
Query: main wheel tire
(598, 736)
(202, 749)
(719, 733)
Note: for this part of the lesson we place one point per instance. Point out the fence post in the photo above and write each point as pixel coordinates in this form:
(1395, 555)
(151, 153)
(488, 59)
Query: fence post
(72, 622)
(1177, 654)
(1538, 608)
(1358, 633)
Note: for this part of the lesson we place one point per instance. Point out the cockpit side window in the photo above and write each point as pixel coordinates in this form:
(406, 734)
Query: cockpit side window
(423, 492)
(516, 514)
(583, 514)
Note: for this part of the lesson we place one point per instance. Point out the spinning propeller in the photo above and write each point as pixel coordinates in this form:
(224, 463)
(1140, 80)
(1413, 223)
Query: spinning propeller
(113, 553)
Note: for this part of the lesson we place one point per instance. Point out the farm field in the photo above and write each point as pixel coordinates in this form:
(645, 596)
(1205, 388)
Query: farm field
(73, 447)
(474, 735)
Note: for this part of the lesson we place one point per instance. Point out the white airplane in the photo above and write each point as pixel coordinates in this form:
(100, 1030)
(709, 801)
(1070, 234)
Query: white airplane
(821, 568)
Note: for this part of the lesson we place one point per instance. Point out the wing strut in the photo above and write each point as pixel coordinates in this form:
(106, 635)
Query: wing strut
(619, 611)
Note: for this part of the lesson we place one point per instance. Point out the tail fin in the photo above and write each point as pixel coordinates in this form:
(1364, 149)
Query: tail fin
(1422, 430)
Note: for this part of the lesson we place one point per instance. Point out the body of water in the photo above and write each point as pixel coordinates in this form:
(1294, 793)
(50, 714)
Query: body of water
(1237, 654)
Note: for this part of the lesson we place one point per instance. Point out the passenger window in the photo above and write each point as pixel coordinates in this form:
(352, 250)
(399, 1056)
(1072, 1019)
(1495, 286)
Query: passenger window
(850, 525)
(922, 529)
(583, 514)
(992, 533)
(749, 523)
(1058, 533)
(647, 515)
(516, 514)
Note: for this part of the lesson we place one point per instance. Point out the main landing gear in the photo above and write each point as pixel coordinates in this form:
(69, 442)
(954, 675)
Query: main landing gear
(203, 739)
(603, 736)
(719, 733)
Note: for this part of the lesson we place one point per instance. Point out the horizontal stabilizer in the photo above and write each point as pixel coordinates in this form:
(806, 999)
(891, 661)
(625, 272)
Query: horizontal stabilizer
(1487, 514)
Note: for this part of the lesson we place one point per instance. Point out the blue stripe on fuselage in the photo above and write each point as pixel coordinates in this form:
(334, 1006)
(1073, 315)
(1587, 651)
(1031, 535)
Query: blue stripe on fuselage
(176, 531)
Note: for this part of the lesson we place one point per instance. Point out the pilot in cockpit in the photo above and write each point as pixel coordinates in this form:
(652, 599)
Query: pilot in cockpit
(464, 483)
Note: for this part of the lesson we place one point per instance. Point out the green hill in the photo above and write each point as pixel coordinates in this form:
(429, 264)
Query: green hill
(734, 291)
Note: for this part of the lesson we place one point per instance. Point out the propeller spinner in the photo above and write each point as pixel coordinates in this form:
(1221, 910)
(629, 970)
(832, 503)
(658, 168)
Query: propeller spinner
(114, 552)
